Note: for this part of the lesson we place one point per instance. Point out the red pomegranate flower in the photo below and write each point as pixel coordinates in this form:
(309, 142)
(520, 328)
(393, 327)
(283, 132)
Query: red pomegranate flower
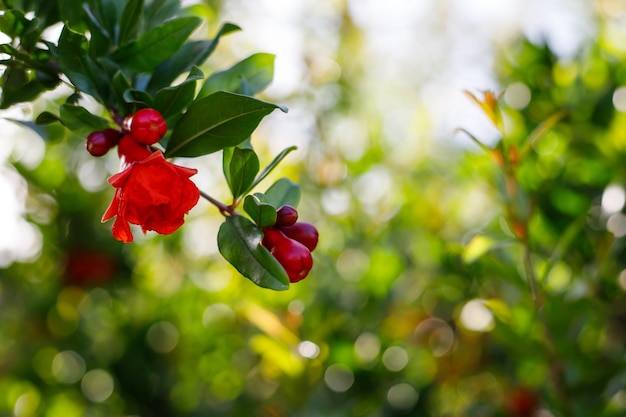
(152, 193)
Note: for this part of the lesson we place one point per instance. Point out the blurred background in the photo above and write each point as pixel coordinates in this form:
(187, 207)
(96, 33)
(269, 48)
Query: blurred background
(418, 303)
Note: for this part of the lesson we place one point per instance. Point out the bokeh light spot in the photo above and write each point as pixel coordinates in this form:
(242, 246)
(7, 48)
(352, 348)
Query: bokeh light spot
(517, 96)
(68, 367)
(338, 378)
(619, 99)
(616, 224)
(402, 396)
(367, 347)
(622, 279)
(162, 337)
(613, 198)
(27, 404)
(437, 334)
(395, 358)
(97, 385)
(217, 312)
(308, 349)
(475, 316)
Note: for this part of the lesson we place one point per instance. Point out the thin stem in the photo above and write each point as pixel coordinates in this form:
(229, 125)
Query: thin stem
(530, 275)
(223, 208)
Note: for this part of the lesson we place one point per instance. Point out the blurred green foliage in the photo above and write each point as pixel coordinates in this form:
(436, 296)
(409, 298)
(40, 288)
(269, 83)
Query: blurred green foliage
(418, 304)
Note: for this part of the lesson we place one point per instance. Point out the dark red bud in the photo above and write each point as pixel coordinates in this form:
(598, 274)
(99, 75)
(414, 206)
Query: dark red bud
(101, 141)
(286, 216)
(131, 150)
(302, 232)
(292, 255)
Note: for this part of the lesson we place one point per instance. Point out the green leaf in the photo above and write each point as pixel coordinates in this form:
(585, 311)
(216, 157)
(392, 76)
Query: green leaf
(283, 192)
(12, 23)
(477, 247)
(239, 242)
(263, 214)
(46, 118)
(271, 167)
(101, 36)
(189, 55)
(80, 120)
(216, 122)
(120, 85)
(138, 97)
(156, 45)
(18, 87)
(157, 11)
(250, 76)
(243, 167)
(170, 101)
(130, 22)
(78, 66)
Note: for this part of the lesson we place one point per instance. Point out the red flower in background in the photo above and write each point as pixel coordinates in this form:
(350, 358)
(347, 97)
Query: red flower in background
(152, 193)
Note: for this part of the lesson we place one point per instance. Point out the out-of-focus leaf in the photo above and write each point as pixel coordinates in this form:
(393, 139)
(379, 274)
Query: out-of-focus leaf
(18, 87)
(239, 241)
(216, 122)
(477, 247)
(540, 131)
(47, 118)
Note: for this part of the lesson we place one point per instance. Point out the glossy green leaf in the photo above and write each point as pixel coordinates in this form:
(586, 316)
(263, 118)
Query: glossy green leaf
(216, 122)
(46, 117)
(131, 21)
(79, 120)
(189, 55)
(262, 213)
(78, 65)
(18, 86)
(250, 76)
(138, 97)
(101, 36)
(157, 11)
(172, 100)
(13, 23)
(239, 242)
(156, 45)
(283, 192)
(120, 85)
(243, 167)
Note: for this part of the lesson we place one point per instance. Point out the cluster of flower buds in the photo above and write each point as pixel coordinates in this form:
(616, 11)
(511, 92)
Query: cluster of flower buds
(291, 243)
(140, 130)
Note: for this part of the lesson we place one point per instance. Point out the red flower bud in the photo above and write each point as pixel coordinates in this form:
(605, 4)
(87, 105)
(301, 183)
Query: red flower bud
(292, 255)
(100, 141)
(132, 151)
(286, 216)
(521, 402)
(302, 232)
(147, 126)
